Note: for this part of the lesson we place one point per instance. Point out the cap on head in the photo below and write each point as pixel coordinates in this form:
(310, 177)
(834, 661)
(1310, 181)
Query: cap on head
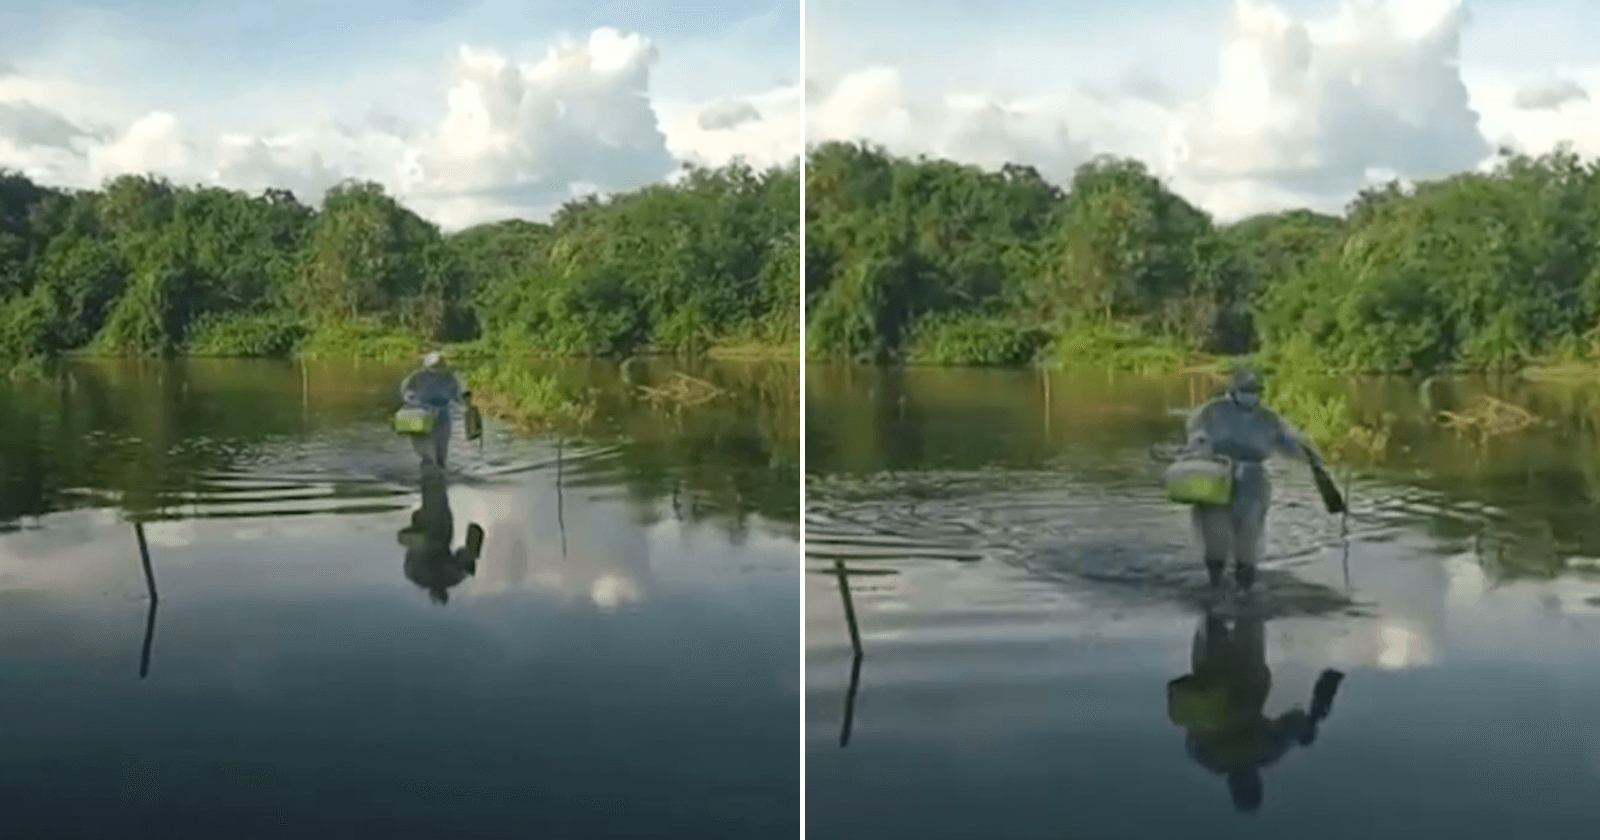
(432, 359)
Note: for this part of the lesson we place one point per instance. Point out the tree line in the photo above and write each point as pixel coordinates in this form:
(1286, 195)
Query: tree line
(143, 267)
(933, 261)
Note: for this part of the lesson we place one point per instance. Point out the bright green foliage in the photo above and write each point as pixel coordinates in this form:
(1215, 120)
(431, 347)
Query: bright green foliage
(902, 252)
(1475, 271)
(959, 339)
(246, 334)
(670, 267)
(367, 256)
(935, 262)
(143, 267)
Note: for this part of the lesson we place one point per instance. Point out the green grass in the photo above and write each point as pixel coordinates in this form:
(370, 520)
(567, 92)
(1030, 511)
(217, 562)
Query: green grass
(503, 385)
(246, 335)
(1123, 349)
(975, 340)
(755, 351)
(364, 339)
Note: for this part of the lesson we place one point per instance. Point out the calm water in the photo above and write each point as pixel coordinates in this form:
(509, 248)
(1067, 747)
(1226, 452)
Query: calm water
(622, 662)
(1024, 594)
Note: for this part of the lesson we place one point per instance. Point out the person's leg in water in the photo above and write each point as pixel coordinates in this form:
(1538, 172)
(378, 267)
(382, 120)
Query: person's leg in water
(423, 445)
(434, 448)
(1213, 526)
(1253, 495)
(441, 438)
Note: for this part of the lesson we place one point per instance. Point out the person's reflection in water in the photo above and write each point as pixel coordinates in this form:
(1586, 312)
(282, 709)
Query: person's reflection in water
(430, 562)
(1222, 705)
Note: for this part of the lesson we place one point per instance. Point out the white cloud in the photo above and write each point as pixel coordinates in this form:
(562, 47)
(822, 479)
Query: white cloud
(151, 144)
(505, 137)
(256, 164)
(1301, 109)
(1509, 119)
(876, 103)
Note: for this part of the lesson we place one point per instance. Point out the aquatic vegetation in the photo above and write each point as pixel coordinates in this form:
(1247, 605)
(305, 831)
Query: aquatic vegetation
(1488, 417)
(681, 390)
(1319, 406)
(505, 386)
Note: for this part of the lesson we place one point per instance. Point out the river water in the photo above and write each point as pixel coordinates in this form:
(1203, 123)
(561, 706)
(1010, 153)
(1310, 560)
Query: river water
(1024, 595)
(230, 608)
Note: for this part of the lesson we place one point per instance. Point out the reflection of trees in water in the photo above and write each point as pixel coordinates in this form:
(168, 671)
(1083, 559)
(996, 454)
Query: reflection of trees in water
(1523, 500)
(146, 435)
(145, 432)
(720, 462)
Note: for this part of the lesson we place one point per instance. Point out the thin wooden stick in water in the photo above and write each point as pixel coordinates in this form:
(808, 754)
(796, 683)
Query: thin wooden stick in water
(850, 701)
(843, 575)
(155, 598)
(1344, 532)
(561, 514)
(1331, 498)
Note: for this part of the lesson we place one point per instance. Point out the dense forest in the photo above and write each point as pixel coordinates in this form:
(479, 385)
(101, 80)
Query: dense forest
(933, 261)
(144, 267)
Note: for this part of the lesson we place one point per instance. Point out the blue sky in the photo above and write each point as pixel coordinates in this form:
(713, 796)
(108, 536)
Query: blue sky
(296, 87)
(315, 40)
(298, 93)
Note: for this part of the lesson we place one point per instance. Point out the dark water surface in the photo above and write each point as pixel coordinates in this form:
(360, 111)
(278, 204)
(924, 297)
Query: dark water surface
(1024, 594)
(622, 663)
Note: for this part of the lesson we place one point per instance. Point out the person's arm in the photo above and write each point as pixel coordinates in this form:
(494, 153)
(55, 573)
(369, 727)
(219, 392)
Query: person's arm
(408, 389)
(1292, 444)
(1291, 728)
(1197, 437)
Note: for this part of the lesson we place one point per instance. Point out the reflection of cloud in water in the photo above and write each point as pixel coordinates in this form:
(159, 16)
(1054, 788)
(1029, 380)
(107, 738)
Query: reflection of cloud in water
(1467, 582)
(605, 560)
(1388, 643)
(66, 551)
(1571, 597)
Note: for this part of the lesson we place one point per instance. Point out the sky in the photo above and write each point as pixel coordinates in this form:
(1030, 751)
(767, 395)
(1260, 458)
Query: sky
(1243, 107)
(467, 111)
(477, 110)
